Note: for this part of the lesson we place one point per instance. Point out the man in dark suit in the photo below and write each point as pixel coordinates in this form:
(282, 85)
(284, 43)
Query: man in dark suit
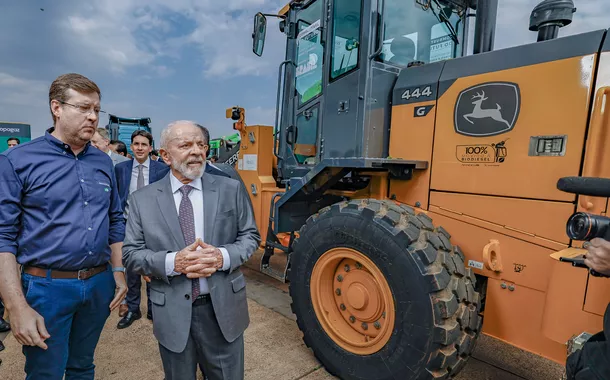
(132, 175)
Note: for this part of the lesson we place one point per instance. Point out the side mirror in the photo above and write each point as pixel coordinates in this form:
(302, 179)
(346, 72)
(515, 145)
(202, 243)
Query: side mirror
(259, 33)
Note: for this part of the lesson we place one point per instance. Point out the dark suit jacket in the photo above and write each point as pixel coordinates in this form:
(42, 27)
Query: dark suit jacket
(157, 171)
(123, 170)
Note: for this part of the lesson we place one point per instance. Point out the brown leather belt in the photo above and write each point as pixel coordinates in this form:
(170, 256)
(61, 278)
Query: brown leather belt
(82, 274)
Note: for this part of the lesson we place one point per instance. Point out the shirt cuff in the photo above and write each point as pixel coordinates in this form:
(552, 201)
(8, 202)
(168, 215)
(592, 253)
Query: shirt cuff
(226, 259)
(11, 248)
(169, 264)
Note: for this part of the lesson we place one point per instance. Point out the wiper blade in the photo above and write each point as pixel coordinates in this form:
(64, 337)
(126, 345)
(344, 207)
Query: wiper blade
(443, 18)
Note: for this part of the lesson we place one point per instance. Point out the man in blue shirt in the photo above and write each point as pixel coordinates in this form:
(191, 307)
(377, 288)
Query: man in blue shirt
(61, 219)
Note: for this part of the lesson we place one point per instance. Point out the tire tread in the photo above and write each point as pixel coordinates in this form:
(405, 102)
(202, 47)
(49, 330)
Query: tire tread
(456, 306)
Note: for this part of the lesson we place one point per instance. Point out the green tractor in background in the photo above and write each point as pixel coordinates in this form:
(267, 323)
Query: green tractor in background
(225, 149)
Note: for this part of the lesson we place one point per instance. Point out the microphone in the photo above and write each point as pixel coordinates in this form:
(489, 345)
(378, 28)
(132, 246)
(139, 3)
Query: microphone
(592, 186)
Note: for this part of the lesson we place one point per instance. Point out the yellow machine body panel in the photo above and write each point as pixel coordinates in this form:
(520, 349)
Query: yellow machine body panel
(554, 111)
(495, 132)
(499, 130)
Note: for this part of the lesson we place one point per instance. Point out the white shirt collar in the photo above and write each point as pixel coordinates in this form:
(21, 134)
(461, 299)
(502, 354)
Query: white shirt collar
(176, 184)
(146, 163)
(109, 152)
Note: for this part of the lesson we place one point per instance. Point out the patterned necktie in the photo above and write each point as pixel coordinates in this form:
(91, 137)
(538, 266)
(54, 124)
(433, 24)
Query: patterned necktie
(140, 176)
(187, 224)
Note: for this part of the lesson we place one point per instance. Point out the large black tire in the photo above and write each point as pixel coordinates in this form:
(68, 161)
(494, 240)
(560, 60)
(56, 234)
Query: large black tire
(437, 319)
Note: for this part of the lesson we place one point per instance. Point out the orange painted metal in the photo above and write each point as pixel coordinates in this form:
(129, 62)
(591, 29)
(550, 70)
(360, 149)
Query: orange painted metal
(597, 155)
(564, 315)
(543, 290)
(411, 139)
(598, 295)
(514, 314)
(507, 217)
(352, 301)
(255, 167)
(540, 222)
(520, 262)
(543, 113)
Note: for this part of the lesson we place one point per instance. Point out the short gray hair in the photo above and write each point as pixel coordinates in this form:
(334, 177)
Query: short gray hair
(104, 133)
(167, 131)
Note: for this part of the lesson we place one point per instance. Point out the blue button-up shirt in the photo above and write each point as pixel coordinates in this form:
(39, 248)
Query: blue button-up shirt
(58, 210)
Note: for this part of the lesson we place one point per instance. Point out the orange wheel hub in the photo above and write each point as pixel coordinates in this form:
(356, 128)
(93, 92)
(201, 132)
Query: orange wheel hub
(352, 301)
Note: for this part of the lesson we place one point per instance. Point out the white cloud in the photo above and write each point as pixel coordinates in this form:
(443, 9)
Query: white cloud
(25, 100)
(22, 92)
(120, 34)
(99, 42)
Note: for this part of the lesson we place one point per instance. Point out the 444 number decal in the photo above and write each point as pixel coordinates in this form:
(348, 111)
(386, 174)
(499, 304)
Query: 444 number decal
(417, 92)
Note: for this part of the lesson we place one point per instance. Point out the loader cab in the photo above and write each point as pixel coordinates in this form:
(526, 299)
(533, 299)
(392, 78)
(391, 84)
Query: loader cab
(342, 60)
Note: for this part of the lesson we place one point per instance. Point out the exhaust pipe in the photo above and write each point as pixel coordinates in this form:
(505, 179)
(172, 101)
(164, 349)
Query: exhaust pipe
(550, 15)
(485, 27)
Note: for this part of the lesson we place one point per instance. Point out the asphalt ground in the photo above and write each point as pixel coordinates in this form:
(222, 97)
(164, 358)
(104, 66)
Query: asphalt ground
(274, 348)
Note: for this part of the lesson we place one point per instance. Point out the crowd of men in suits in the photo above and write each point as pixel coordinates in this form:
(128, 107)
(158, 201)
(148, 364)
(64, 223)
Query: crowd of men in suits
(84, 224)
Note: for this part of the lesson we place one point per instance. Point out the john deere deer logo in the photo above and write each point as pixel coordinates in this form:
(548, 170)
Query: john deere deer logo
(484, 119)
(480, 113)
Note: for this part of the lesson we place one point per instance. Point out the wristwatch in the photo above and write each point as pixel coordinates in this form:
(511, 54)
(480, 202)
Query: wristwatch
(118, 269)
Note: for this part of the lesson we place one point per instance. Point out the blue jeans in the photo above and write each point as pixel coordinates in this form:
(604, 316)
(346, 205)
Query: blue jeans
(74, 313)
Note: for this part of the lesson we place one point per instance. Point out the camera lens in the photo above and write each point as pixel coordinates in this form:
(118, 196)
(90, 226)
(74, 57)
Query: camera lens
(582, 226)
(579, 226)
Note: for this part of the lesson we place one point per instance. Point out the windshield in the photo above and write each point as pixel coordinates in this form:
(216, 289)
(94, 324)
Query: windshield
(420, 30)
(309, 53)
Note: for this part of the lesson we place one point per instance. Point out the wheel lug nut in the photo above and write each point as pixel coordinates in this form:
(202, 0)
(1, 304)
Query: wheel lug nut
(377, 325)
(346, 268)
(342, 307)
(365, 326)
(338, 291)
(383, 314)
(358, 266)
(352, 319)
(339, 278)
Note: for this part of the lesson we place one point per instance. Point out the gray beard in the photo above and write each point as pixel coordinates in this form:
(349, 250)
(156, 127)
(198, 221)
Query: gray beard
(191, 174)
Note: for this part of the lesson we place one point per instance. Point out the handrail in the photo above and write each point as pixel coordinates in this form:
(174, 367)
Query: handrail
(278, 104)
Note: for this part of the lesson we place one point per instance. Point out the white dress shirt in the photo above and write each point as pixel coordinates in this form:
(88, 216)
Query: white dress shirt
(133, 185)
(196, 197)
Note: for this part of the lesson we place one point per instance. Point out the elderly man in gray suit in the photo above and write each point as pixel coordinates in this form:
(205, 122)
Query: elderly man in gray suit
(190, 232)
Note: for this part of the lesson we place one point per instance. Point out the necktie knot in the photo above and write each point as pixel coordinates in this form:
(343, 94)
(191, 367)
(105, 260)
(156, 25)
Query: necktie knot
(185, 190)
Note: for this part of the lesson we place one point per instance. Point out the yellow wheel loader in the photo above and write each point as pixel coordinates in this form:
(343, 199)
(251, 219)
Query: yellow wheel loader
(408, 190)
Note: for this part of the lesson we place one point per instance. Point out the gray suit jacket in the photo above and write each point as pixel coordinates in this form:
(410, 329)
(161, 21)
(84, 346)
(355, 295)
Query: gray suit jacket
(116, 158)
(153, 231)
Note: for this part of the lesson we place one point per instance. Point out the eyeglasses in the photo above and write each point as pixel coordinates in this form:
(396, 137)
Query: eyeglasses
(85, 110)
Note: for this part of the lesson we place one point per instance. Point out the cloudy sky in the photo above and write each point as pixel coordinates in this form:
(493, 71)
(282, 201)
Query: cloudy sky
(178, 59)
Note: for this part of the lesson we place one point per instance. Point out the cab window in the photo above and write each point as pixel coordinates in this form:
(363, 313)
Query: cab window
(346, 37)
(422, 31)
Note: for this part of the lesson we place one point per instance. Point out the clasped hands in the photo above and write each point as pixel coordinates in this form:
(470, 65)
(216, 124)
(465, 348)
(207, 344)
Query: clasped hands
(198, 260)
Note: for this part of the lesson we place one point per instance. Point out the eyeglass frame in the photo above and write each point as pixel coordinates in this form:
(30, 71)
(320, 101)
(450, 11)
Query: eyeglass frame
(78, 108)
